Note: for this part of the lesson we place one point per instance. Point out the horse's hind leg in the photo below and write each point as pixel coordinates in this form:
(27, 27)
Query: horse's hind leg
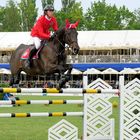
(69, 68)
(15, 78)
(11, 80)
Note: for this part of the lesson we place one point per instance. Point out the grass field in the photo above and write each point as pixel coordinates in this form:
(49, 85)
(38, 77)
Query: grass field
(36, 128)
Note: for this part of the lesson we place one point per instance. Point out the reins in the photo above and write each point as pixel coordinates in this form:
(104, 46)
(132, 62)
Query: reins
(62, 45)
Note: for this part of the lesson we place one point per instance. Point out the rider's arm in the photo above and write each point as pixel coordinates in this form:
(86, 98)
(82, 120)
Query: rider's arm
(41, 32)
(39, 26)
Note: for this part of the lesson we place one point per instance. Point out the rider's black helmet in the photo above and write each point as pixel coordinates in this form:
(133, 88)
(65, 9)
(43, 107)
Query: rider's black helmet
(49, 8)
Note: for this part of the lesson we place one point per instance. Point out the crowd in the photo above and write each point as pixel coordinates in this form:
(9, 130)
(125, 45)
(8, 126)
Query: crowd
(90, 58)
(50, 84)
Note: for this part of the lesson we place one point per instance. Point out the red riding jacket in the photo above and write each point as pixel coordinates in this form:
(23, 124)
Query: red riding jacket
(42, 26)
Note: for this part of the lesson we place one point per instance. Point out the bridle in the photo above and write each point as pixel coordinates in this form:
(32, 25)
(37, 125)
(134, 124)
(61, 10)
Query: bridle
(60, 53)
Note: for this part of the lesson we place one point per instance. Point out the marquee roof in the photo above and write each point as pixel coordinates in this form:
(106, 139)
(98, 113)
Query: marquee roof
(88, 40)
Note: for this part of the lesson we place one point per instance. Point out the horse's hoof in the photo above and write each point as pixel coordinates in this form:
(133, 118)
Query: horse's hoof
(58, 87)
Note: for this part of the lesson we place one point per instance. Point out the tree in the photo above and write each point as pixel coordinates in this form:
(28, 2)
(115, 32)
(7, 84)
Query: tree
(2, 13)
(136, 22)
(112, 20)
(73, 12)
(102, 16)
(28, 13)
(67, 4)
(45, 2)
(127, 18)
(11, 21)
(95, 16)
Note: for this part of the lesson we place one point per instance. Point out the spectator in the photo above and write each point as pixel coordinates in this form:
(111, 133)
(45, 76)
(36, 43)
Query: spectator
(67, 85)
(45, 85)
(50, 84)
(8, 96)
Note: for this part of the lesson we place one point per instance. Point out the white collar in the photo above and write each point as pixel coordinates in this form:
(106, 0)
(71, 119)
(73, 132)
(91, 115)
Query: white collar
(47, 17)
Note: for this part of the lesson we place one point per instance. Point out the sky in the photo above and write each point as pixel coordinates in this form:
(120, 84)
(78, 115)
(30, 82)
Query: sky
(130, 4)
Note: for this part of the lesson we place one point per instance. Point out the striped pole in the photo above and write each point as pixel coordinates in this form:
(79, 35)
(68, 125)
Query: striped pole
(5, 105)
(54, 90)
(42, 114)
(10, 102)
(47, 94)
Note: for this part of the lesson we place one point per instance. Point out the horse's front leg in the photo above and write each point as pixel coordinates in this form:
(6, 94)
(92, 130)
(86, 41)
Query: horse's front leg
(68, 68)
(65, 77)
(61, 69)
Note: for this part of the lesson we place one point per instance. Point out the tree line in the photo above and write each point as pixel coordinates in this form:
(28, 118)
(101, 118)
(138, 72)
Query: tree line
(21, 16)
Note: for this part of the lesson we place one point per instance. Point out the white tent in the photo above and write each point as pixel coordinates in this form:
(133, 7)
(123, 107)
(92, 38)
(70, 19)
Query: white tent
(11, 40)
(1, 71)
(5, 71)
(88, 40)
(128, 71)
(92, 71)
(137, 70)
(110, 71)
(76, 72)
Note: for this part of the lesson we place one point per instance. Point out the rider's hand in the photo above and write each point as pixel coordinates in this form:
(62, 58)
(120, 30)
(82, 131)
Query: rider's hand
(53, 36)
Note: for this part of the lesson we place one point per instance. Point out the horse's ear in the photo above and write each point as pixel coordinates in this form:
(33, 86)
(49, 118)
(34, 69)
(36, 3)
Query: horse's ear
(67, 23)
(76, 23)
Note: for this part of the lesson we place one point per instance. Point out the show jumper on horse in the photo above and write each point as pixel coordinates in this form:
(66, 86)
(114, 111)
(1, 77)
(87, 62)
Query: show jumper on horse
(40, 30)
(48, 57)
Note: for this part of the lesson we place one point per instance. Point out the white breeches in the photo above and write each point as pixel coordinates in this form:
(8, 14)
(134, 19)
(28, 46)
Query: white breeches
(37, 42)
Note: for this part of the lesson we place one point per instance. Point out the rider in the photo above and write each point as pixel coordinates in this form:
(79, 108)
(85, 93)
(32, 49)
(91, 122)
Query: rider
(40, 30)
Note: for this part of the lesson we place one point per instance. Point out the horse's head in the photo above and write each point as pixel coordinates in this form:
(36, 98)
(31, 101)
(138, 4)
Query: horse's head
(70, 36)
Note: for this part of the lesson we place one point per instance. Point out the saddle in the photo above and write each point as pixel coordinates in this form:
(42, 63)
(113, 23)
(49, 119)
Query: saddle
(26, 53)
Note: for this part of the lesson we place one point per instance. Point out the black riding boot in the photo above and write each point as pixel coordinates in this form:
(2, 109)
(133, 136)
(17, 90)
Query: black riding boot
(32, 53)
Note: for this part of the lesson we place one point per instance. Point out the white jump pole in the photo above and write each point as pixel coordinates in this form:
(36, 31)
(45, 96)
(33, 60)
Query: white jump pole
(85, 81)
(10, 102)
(85, 84)
(121, 88)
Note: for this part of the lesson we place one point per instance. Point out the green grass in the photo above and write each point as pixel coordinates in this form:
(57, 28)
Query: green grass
(36, 128)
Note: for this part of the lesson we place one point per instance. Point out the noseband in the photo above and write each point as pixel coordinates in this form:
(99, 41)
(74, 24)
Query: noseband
(70, 43)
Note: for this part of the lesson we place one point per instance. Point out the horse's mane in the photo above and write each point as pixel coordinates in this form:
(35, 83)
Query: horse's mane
(57, 39)
(60, 30)
(58, 34)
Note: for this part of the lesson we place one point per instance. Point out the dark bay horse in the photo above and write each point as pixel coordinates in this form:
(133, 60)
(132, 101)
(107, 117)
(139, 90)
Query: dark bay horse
(52, 57)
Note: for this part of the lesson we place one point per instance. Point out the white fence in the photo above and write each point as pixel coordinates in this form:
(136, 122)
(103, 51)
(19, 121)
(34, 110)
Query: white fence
(97, 124)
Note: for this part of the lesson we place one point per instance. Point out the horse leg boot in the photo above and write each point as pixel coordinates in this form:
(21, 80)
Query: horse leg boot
(64, 79)
(32, 53)
(61, 82)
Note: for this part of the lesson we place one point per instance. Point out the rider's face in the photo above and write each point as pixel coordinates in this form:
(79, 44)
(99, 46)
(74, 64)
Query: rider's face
(50, 13)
